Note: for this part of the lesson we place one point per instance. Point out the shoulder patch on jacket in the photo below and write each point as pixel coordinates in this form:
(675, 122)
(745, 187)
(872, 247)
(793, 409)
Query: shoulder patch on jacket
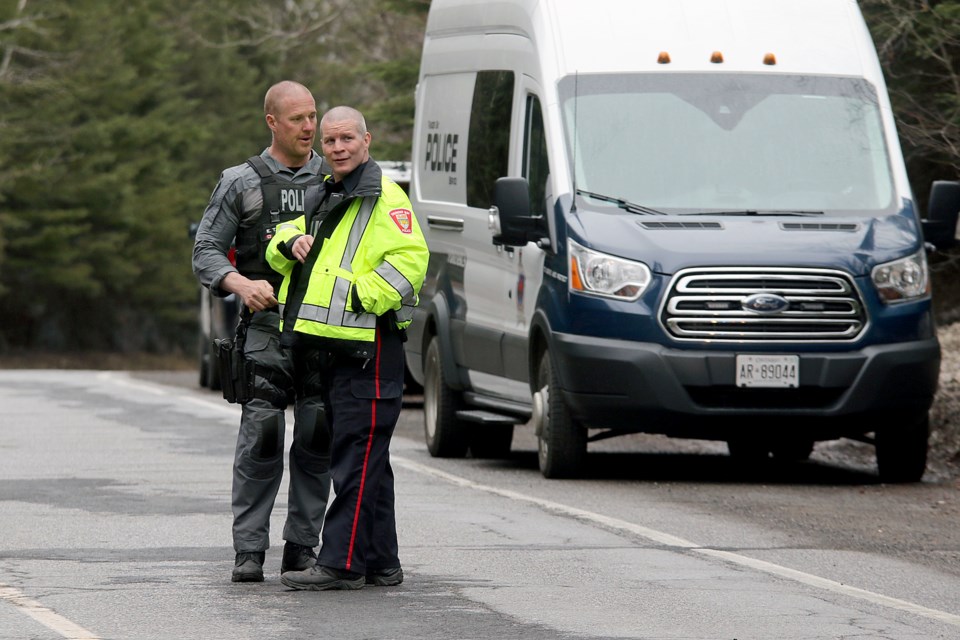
(402, 218)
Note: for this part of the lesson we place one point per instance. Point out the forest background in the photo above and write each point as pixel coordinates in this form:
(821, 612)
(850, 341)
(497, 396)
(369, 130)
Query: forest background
(116, 119)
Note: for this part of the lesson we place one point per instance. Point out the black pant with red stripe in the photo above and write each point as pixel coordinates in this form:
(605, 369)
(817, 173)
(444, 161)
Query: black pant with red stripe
(363, 400)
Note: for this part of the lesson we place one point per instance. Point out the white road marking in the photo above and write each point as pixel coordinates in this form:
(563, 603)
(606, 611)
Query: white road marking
(113, 377)
(686, 545)
(46, 617)
(659, 537)
(214, 402)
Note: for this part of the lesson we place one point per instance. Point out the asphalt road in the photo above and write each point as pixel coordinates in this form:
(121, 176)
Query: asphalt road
(115, 524)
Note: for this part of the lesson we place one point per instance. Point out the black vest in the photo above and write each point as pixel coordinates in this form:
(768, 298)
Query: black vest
(282, 201)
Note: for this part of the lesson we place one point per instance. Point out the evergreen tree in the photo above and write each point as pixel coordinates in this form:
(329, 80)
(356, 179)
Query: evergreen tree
(919, 46)
(106, 143)
(116, 119)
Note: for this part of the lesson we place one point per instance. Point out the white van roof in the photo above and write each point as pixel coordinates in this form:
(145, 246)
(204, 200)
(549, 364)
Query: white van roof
(804, 36)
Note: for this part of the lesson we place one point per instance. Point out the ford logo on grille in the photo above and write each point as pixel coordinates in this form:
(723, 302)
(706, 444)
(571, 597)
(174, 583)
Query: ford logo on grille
(765, 303)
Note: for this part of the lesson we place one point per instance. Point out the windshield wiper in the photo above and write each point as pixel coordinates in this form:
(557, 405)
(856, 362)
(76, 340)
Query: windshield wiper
(623, 204)
(758, 212)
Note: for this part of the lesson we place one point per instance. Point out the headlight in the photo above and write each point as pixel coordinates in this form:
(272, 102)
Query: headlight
(603, 275)
(902, 280)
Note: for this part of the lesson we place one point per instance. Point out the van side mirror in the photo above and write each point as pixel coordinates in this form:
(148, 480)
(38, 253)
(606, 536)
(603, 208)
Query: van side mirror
(510, 219)
(940, 226)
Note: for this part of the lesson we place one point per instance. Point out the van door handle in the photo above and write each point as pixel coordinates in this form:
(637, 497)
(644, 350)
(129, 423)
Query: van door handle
(447, 224)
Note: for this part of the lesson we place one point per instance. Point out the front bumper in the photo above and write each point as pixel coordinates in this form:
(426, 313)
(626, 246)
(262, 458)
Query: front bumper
(635, 386)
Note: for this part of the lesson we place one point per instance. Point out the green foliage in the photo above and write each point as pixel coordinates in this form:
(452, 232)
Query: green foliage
(116, 119)
(391, 116)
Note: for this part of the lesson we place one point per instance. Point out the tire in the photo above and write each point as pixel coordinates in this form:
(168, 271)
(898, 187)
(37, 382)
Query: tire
(213, 368)
(562, 443)
(795, 449)
(204, 364)
(205, 357)
(748, 450)
(491, 441)
(445, 434)
(410, 386)
(901, 447)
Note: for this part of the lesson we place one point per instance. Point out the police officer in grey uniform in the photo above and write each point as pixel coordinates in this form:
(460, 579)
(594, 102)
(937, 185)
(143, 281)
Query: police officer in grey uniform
(249, 201)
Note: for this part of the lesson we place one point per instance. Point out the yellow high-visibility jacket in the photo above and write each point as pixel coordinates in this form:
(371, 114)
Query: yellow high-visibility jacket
(372, 264)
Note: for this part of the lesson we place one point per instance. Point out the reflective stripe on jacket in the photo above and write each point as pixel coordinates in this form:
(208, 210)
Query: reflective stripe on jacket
(379, 251)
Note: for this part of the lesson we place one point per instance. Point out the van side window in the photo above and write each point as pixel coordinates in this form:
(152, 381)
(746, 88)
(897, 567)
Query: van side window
(489, 138)
(536, 167)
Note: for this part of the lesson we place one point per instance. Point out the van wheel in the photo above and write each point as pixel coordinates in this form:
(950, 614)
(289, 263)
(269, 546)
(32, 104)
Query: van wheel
(795, 449)
(491, 441)
(446, 435)
(562, 442)
(748, 450)
(901, 446)
(410, 385)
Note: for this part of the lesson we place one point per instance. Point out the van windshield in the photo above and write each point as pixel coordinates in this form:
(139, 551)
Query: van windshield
(699, 143)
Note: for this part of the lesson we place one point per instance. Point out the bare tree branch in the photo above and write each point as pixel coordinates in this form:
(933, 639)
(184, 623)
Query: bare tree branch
(29, 23)
(283, 27)
(919, 46)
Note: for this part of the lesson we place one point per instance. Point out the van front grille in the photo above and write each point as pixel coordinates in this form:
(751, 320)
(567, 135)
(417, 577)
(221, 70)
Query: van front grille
(763, 305)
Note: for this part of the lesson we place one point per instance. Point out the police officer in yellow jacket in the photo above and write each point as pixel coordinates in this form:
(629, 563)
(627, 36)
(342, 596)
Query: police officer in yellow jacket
(352, 272)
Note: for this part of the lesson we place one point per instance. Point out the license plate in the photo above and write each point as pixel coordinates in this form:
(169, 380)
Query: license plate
(768, 371)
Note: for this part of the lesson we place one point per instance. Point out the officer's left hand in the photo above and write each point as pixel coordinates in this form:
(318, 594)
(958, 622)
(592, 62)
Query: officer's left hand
(301, 248)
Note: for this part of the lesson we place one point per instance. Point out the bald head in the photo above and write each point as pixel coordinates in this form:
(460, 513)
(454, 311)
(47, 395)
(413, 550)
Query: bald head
(291, 114)
(280, 93)
(344, 139)
(345, 115)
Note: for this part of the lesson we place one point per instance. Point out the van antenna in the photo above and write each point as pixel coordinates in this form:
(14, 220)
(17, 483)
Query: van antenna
(576, 100)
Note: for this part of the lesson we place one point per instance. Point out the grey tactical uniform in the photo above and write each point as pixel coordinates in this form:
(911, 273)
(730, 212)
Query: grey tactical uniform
(258, 465)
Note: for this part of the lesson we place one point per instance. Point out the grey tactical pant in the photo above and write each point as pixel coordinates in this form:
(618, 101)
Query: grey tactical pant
(258, 465)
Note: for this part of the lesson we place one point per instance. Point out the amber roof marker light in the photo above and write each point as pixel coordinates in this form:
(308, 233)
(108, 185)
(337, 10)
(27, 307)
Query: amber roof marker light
(769, 59)
(716, 57)
(663, 58)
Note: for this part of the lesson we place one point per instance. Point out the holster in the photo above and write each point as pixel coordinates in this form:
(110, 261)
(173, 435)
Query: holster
(236, 374)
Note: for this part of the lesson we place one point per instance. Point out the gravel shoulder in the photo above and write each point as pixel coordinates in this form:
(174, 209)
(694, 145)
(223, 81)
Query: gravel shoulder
(944, 456)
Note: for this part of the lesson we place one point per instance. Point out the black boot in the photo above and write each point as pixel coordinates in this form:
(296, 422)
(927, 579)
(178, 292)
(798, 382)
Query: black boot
(297, 557)
(248, 567)
(385, 577)
(318, 578)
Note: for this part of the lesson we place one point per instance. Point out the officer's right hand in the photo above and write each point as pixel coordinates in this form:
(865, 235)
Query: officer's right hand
(256, 295)
(301, 247)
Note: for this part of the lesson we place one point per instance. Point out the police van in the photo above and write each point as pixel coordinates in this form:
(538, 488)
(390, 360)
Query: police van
(683, 217)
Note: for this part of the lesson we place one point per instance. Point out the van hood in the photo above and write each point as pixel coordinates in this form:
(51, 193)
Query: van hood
(668, 244)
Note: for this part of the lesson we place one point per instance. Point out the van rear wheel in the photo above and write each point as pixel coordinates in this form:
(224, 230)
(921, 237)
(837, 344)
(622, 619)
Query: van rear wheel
(446, 435)
(901, 446)
(562, 442)
(491, 441)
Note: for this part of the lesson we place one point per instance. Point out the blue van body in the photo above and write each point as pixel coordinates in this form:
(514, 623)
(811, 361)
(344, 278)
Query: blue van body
(689, 218)
(893, 364)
